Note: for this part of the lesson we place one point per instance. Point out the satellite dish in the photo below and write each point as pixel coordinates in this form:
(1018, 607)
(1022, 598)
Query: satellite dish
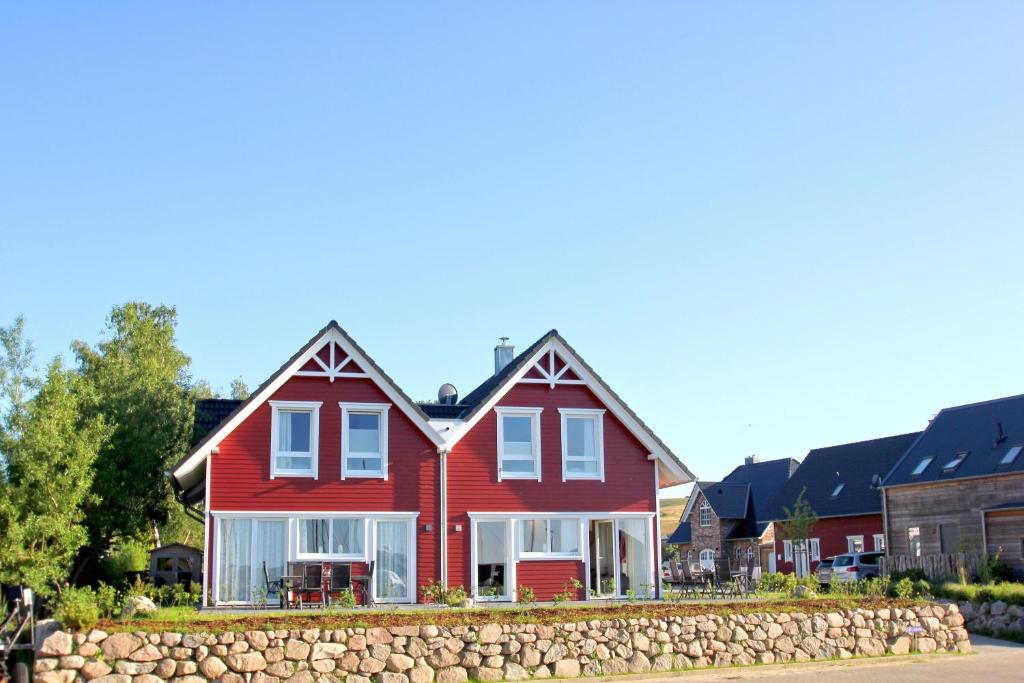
(448, 394)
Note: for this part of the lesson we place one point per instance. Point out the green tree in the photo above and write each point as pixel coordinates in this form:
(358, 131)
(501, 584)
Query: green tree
(798, 524)
(49, 473)
(139, 382)
(17, 383)
(239, 389)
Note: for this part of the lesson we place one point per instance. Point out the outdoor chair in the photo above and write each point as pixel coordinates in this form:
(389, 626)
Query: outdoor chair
(723, 584)
(688, 585)
(312, 585)
(364, 582)
(341, 580)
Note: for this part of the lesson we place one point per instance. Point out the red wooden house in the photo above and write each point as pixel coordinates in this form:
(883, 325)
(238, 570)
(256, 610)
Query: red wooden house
(539, 475)
(841, 484)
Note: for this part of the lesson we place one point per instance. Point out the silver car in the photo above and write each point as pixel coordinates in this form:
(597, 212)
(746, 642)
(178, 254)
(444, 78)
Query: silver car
(855, 566)
(825, 570)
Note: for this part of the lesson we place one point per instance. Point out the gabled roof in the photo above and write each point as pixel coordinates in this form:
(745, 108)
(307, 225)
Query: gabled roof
(682, 534)
(484, 397)
(766, 479)
(210, 412)
(729, 501)
(985, 431)
(855, 465)
(187, 474)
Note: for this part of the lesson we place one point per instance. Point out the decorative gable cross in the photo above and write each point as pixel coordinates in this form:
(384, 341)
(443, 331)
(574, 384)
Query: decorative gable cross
(332, 362)
(550, 369)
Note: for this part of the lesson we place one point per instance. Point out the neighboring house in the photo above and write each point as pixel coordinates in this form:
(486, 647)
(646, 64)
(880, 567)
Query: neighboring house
(730, 518)
(539, 475)
(960, 486)
(841, 484)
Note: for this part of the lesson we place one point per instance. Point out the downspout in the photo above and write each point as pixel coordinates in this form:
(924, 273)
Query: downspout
(443, 526)
(207, 555)
(885, 522)
(657, 528)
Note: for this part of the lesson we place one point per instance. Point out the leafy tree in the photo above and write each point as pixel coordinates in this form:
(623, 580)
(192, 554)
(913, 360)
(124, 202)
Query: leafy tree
(49, 477)
(239, 389)
(16, 381)
(138, 381)
(798, 524)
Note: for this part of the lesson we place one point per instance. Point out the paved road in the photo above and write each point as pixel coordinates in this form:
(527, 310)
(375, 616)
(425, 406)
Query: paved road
(994, 660)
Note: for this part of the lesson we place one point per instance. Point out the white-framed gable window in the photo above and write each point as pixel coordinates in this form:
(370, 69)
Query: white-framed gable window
(518, 443)
(364, 439)
(705, 513)
(294, 434)
(582, 443)
(333, 538)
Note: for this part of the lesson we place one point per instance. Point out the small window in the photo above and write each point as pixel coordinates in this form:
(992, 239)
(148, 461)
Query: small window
(551, 537)
(838, 489)
(922, 466)
(519, 443)
(879, 542)
(750, 555)
(787, 550)
(854, 544)
(815, 548)
(582, 444)
(165, 564)
(331, 537)
(690, 555)
(294, 438)
(955, 462)
(1011, 455)
(364, 439)
(914, 541)
(705, 513)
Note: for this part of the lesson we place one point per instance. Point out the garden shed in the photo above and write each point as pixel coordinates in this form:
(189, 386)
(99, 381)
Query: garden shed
(176, 563)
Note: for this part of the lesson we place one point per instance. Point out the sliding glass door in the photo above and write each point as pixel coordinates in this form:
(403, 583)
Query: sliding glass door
(245, 546)
(492, 560)
(634, 558)
(391, 573)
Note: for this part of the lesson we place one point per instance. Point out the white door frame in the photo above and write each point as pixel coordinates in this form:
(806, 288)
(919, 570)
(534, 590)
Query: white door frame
(510, 565)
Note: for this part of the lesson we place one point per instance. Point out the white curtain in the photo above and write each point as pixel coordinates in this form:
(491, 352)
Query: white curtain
(270, 549)
(634, 554)
(392, 569)
(235, 570)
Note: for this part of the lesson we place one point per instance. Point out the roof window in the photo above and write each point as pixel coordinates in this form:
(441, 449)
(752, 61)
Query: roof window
(922, 466)
(1011, 455)
(955, 462)
(838, 489)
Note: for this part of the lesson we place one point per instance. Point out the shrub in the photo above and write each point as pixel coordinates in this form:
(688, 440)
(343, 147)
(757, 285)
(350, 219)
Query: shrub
(877, 587)
(904, 588)
(999, 570)
(128, 556)
(776, 582)
(526, 595)
(347, 598)
(108, 602)
(437, 593)
(914, 574)
(76, 609)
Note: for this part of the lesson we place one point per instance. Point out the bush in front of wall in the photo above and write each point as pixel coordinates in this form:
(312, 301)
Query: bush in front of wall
(77, 609)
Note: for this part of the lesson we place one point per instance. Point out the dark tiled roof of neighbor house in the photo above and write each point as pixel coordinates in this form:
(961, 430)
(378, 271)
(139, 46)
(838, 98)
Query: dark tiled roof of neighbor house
(854, 465)
(443, 411)
(985, 431)
(682, 534)
(766, 479)
(728, 500)
(211, 412)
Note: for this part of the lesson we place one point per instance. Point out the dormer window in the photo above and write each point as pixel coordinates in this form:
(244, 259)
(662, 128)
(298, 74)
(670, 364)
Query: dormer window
(922, 466)
(518, 443)
(294, 430)
(955, 462)
(838, 489)
(1011, 455)
(582, 443)
(705, 513)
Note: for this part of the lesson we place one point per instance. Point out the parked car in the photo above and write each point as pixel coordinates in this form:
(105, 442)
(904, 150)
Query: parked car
(825, 570)
(666, 572)
(855, 566)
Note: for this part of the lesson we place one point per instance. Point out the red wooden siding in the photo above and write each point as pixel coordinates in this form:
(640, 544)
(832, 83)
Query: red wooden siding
(240, 471)
(547, 577)
(473, 484)
(833, 532)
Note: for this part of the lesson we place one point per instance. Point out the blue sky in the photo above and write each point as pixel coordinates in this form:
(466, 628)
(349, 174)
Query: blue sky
(769, 226)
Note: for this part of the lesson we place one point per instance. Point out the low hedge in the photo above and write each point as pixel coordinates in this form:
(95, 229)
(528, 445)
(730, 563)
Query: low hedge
(1010, 593)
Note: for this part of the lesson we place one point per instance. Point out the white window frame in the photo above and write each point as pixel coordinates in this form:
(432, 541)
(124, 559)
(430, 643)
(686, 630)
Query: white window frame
(278, 407)
(597, 416)
(815, 550)
(381, 409)
(534, 415)
(704, 506)
(548, 555)
(879, 541)
(914, 534)
(750, 556)
(851, 540)
(346, 557)
(787, 551)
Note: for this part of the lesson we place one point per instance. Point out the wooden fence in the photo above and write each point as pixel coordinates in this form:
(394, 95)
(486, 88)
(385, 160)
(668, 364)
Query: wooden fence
(936, 567)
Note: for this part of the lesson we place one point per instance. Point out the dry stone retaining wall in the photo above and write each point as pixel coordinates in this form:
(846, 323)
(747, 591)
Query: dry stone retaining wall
(492, 652)
(995, 617)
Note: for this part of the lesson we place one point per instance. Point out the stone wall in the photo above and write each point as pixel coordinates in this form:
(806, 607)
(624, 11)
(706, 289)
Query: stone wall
(491, 652)
(995, 617)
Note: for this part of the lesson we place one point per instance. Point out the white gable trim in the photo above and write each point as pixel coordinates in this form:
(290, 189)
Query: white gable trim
(691, 502)
(332, 335)
(674, 472)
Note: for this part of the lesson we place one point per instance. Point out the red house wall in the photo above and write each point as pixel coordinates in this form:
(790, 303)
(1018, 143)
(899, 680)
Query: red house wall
(833, 532)
(240, 471)
(473, 484)
(547, 577)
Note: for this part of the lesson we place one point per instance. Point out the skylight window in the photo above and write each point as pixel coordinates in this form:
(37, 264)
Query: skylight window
(838, 489)
(955, 462)
(1011, 455)
(922, 466)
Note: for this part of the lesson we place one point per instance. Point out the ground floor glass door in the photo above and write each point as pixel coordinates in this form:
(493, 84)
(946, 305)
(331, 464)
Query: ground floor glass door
(602, 558)
(492, 561)
(391, 573)
(245, 546)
